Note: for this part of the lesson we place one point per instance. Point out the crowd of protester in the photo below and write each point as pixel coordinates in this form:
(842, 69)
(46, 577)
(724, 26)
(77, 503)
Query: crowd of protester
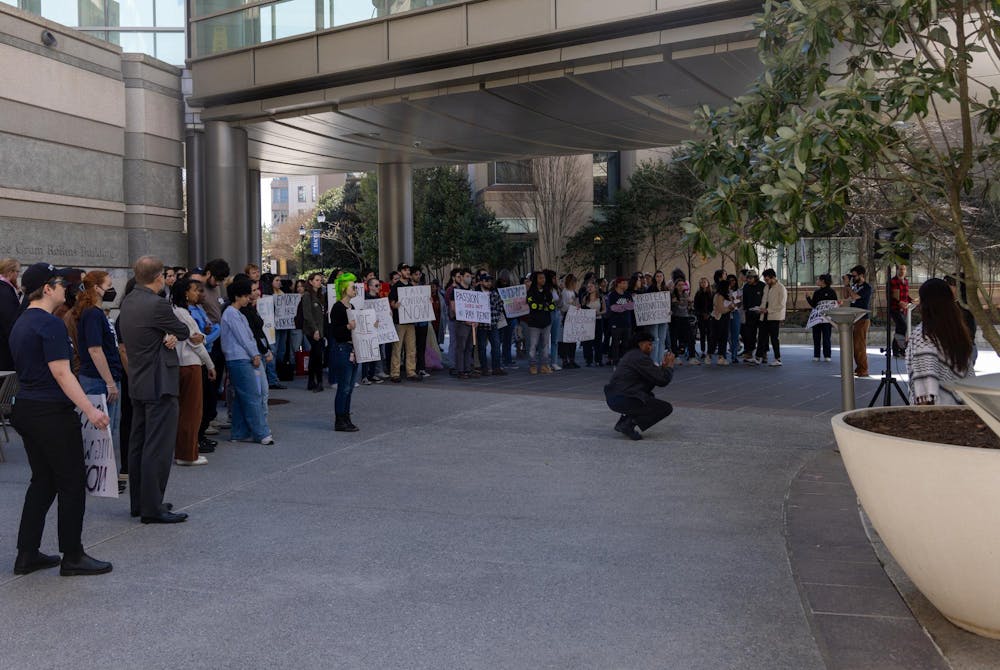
(186, 339)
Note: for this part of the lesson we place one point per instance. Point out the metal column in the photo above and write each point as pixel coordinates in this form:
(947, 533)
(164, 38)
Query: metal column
(226, 197)
(395, 216)
(194, 162)
(254, 241)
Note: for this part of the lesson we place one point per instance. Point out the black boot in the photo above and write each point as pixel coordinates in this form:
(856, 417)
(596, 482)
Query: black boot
(350, 424)
(340, 424)
(29, 561)
(82, 564)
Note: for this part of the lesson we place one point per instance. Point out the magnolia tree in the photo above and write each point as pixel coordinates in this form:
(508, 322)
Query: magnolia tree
(895, 94)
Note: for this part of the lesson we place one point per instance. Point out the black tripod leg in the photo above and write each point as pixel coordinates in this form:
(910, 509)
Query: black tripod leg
(878, 392)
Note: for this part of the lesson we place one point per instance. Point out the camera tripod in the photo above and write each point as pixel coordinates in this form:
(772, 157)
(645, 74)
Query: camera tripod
(888, 381)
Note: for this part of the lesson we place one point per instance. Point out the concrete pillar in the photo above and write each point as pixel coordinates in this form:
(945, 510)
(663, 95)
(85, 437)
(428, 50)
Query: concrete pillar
(395, 216)
(628, 162)
(226, 197)
(253, 236)
(195, 170)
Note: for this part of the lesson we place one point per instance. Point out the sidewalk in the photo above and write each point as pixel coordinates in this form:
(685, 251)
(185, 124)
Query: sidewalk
(492, 523)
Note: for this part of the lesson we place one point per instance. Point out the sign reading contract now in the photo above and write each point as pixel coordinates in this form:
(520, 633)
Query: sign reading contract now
(473, 306)
(415, 304)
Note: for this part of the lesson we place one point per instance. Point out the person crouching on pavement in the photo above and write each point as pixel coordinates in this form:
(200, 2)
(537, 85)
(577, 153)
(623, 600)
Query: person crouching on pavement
(630, 391)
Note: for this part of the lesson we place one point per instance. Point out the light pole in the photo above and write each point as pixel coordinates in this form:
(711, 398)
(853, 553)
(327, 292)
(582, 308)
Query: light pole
(302, 249)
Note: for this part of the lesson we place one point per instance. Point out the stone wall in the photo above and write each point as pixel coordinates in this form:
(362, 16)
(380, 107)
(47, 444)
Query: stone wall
(92, 147)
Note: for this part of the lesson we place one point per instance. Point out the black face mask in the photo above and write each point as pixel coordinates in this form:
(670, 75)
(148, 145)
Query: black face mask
(110, 295)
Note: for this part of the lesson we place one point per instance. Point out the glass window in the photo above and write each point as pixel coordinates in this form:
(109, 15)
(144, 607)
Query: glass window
(142, 43)
(170, 13)
(230, 31)
(138, 13)
(205, 7)
(92, 13)
(9, 2)
(511, 172)
(517, 225)
(170, 48)
(61, 11)
(302, 194)
(285, 19)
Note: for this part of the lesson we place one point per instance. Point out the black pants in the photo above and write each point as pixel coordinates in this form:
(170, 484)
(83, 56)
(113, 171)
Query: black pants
(620, 336)
(749, 331)
(683, 339)
(316, 349)
(420, 333)
(210, 389)
(54, 444)
(720, 335)
(151, 452)
(821, 336)
(706, 336)
(644, 413)
(768, 332)
(124, 427)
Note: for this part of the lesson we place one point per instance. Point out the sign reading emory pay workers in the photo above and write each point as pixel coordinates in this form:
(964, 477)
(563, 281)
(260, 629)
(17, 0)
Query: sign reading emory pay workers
(651, 308)
(365, 336)
(415, 304)
(285, 306)
(99, 454)
(386, 330)
(515, 300)
(472, 306)
(580, 324)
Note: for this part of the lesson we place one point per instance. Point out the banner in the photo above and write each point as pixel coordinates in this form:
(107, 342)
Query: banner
(386, 329)
(314, 241)
(365, 336)
(99, 454)
(515, 300)
(580, 324)
(651, 308)
(818, 314)
(473, 306)
(265, 307)
(415, 304)
(285, 306)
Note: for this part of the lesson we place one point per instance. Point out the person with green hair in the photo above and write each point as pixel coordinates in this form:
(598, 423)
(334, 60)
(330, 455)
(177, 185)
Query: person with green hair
(343, 363)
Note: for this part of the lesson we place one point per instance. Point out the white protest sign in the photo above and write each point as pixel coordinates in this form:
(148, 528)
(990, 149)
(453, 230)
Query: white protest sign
(472, 306)
(358, 301)
(365, 336)
(580, 324)
(285, 306)
(415, 304)
(386, 329)
(818, 314)
(515, 300)
(265, 307)
(651, 308)
(99, 454)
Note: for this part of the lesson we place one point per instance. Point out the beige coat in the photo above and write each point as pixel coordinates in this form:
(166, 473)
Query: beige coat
(775, 301)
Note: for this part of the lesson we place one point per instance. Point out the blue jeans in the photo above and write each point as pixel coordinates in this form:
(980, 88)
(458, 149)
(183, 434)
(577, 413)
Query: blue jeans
(735, 324)
(283, 338)
(271, 369)
(661, 331)
(96, 386)
(345, 374)
(554, 334)
(492, 336)
(248, 419)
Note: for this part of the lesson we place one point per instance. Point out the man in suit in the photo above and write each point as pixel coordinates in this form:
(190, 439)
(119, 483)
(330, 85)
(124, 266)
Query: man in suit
(150, 332)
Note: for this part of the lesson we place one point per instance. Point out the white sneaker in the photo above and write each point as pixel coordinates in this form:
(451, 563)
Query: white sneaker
(555, 367)
(201, 461)
(366, 382)
(816, 359)
(211, 430)
(222, 424)
(424, 373)
(693, 361)
(827, 360)
(267, 441)
(775, 363)
(752, 361)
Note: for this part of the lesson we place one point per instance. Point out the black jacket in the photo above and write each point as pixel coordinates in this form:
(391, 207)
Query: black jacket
(753, 295)
(821, 294)
(10, 309)
(636, 376)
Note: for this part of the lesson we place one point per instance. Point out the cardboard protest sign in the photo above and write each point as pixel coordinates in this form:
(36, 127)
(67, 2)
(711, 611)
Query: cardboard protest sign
(415, 304)
(358, 301)
(265, 307)
(472, 306)
(365, 336)
(515, 300)
(651, 308)
(99, 454)
(386, 329)
(580, 324)
(818, 314)
(285, 306)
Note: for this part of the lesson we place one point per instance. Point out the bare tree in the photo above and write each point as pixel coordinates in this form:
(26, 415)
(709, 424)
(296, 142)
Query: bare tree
(559, 200)
(283, 240)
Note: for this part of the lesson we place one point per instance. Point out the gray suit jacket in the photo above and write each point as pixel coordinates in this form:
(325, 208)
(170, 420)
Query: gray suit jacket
(152, 368)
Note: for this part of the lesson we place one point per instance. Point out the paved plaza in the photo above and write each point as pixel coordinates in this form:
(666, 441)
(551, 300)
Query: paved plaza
(492, 523)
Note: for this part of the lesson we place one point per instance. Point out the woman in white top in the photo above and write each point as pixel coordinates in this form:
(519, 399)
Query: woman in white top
(939, 349)
(191, 355)
(570, 298)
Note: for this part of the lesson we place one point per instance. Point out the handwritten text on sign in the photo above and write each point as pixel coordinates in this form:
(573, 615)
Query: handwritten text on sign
(651, 308)
(386, 330)
(265, 307)
(415, 304)
(99, 454)
(285, 306)
(365, 336)
(515, 300)
(580, 324)
(472, 306)
(818, 314)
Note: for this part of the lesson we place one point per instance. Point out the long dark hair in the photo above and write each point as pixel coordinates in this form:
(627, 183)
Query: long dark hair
(178, 293)
(943, 324)
(722, 288)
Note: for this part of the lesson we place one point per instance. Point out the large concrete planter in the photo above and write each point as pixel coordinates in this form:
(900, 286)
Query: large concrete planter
(937, 508)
